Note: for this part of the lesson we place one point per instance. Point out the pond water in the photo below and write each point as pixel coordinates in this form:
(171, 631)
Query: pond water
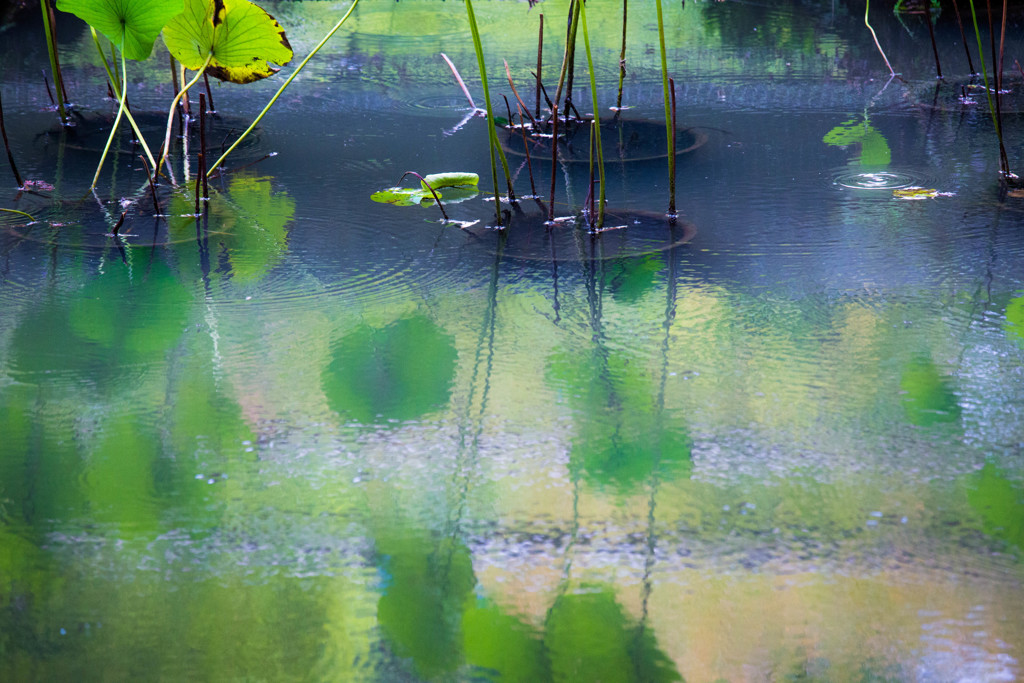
(314, 437)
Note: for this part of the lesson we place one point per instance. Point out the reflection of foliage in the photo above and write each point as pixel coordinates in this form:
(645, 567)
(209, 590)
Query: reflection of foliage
(622, 440)
(874, 149)
(429, 615)
(631, 278)
(1000, 504)
(1015, 318)
(927, 397)
(397, 372)
(249, 224)
(137, 311)
(501, 645)
(589, 638)
(119, 482)
(426, 584)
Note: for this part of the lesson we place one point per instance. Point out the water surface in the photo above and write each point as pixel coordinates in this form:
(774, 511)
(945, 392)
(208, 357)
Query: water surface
(313, 437)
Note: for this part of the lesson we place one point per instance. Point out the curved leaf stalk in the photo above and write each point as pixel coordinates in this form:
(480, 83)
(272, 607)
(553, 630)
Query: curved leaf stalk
(597, 116)
(492, 134)
(115, 85)
(117, 122)
(170, 115)
(867, 6)
(280, 90)
(669, 132)
(51, 47)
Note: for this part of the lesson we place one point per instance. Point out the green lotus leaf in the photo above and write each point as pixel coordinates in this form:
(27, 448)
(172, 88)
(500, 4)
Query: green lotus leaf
(439, 180)
(401, 196)
(133, 25)
(242, 39)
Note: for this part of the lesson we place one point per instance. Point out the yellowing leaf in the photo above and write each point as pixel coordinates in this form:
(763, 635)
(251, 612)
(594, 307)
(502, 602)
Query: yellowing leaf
(913, 193)
(241, 38)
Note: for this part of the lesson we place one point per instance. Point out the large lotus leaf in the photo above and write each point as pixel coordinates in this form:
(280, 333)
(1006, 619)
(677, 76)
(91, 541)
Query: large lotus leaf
(926, 395)
(426, 585)
(398, 372)
(501, 645)
(1000, 504)
(589, 638)
(133, 25)
(240, 37)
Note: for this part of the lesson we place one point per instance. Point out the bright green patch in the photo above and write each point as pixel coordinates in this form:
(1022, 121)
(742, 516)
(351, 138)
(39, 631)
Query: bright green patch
(400, 196)
(874, 149)
(132, 25)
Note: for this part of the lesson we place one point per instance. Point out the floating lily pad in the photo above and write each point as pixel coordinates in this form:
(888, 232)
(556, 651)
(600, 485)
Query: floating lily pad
(621, 140)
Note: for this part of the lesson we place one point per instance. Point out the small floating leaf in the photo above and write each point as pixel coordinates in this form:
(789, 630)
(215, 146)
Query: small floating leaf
(241, 36)
(401, 196)
(452, 179)
(914, 193)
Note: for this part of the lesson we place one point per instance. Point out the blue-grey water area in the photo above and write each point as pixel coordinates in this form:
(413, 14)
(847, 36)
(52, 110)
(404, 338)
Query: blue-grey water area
(313, 437)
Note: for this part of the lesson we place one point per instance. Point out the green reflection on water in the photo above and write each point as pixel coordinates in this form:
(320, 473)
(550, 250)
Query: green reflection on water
(400, 371)
(927, 396)
(622, 437)
(1000, 503)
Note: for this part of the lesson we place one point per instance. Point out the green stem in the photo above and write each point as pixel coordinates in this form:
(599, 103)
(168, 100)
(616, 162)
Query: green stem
(280, 90)
(597, 114)
(115, 86)
(622, 55)
(492, 135)
(170, 115)
(984, 74)
(867, 6)
(51, 47)
(668, 115)
(567, 57)
(117, 123)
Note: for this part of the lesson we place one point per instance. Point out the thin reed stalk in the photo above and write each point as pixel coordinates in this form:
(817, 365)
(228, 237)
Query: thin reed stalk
(622, 55)
(7, 146)
(597, 115)
(669, 132)
(51, 47)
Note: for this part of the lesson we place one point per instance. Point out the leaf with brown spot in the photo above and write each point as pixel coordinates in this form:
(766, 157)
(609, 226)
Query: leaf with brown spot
(243, 39)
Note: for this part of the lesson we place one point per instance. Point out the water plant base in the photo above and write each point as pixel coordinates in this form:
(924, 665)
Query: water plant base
(621, 140)
(627, 234)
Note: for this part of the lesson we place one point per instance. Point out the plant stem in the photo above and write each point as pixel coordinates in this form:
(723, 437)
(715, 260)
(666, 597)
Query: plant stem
(51, 46)
(116, 87)
(984, 76)
(284, 85)
(492, 135)
(567, 57)
(540, 61)
(668, 115)
(963, 36)
(622, 55)
(7, 146)
(597, 114)
(170, 114)
(867, 7)
(117, 123)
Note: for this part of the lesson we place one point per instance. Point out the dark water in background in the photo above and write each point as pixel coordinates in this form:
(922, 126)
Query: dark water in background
(315, 437)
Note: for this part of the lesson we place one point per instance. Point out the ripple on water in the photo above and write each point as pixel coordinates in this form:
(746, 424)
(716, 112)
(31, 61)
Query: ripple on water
(889, 179)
